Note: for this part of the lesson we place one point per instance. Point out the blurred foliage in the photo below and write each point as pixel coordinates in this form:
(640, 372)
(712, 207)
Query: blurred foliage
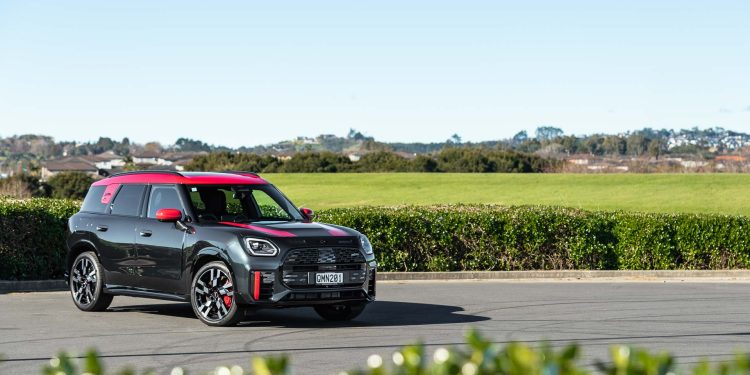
(478, 357)
(69, 185)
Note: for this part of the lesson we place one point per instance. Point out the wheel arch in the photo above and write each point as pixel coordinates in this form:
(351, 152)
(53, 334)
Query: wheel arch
(77, 249)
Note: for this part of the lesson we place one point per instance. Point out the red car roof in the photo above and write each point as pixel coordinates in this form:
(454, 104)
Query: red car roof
(186, 178)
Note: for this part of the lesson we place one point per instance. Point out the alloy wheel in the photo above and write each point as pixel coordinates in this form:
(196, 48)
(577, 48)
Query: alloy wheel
(83, 281)
(213, 294)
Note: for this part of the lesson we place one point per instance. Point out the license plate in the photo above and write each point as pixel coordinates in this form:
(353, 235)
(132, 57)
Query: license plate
(329, 278)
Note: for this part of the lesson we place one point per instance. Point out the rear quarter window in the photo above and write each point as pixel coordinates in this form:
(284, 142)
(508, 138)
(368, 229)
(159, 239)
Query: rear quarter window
(93, 201)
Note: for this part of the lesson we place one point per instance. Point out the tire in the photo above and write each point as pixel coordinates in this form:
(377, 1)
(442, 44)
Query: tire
(87, 283)
(340, 312)
(212, 296)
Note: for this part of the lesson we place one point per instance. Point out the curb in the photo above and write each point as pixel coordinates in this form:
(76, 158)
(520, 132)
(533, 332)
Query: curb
(566, 274)
(32, 286)
(59, 285)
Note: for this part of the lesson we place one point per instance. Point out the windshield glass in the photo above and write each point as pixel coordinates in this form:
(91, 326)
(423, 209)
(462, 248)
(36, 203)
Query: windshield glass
(241, 203)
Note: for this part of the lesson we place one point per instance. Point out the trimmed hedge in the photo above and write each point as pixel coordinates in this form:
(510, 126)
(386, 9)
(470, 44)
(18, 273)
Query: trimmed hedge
(451, 238)
(458, 238)
(32, 237)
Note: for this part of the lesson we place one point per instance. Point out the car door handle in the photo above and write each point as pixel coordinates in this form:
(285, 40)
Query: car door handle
(145, 233)
(102, 228)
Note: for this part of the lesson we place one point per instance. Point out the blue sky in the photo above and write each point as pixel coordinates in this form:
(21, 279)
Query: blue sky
(252, 72)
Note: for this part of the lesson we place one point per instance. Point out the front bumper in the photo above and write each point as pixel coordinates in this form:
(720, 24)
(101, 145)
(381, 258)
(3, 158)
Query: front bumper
(293, 282)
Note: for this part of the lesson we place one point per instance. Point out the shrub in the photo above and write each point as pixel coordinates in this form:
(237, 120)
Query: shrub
(451, 238)
(70, 185)
(475, 238)
(32, 239)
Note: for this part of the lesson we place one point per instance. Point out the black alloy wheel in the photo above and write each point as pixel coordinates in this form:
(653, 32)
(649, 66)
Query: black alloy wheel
(212, 296)
(86, 283)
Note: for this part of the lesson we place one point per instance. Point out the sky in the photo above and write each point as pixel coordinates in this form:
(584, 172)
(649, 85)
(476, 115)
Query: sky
(255, 72)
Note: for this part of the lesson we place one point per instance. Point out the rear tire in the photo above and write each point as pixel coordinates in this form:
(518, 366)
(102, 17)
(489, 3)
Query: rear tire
(212, 296)
(87, 283)
(339, 312)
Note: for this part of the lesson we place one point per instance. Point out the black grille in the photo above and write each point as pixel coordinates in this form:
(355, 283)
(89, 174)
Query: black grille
(324, 256)
(371, 286)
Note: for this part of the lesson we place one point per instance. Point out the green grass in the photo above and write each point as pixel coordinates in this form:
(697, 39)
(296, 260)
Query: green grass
(695, 193)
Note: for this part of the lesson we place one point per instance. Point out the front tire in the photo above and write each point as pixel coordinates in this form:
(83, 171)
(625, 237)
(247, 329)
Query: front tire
(87, 283)
(339, 312)
(212, 296)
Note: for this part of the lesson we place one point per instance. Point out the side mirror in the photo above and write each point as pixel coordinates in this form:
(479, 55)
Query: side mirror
(307, 213)
(169, 215)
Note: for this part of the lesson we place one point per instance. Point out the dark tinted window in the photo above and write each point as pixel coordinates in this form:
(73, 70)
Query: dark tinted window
(128, 200)
(163, 197)
(93, 201)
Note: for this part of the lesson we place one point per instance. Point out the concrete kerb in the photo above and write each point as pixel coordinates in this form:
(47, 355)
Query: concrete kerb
(693, 275)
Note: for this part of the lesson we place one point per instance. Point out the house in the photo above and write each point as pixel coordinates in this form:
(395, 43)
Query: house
(150, 158)
(71, 164)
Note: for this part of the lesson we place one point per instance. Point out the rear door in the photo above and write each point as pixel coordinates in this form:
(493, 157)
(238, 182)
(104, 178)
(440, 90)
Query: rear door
(116, 233)
(159, 244)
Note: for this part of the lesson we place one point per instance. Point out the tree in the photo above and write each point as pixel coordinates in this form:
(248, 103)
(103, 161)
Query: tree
(547, 133)
(70, 185)
(519, 138)
(455, 138)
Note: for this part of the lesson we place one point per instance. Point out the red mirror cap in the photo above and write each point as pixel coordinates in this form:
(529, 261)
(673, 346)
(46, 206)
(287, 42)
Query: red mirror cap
(308, 213)
(168, 214)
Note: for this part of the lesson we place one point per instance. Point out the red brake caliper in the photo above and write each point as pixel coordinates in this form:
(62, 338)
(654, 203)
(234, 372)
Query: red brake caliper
(228, 301)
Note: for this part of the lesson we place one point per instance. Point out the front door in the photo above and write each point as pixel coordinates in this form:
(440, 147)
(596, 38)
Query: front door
(159, 245)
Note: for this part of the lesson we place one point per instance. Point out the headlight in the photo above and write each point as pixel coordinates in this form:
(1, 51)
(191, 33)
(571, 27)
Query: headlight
(366, 245)
(261, 248)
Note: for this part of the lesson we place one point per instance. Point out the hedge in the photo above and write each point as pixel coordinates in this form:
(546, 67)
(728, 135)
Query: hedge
(451, 238)
(479, 357)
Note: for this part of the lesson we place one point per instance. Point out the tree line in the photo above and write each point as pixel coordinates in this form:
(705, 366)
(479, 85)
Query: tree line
(454, 159)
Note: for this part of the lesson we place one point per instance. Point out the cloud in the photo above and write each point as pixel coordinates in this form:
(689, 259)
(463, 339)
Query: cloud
(724, 110)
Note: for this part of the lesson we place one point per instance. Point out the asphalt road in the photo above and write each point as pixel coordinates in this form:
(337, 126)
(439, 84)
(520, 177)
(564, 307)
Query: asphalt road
(692, 320)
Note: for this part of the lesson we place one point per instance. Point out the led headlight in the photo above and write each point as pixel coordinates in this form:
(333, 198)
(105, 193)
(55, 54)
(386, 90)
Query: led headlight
(260, 247)
(366, 245)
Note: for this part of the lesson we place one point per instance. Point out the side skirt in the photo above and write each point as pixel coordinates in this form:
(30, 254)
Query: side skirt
(135, 292)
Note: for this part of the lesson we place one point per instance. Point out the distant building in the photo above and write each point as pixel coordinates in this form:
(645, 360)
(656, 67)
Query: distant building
(71, 164)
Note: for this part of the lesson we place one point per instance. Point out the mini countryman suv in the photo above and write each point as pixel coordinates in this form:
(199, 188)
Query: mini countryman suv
(225, 242)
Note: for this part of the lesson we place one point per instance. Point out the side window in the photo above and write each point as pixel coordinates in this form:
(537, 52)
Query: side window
(128, 200)
(163, 197)
(93, 201)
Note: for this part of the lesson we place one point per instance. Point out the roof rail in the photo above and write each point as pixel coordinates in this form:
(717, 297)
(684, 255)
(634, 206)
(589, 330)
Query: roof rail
(242, 173)
(150, 171)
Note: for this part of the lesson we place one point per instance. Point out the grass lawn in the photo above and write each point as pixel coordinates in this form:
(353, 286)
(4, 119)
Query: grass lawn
(698, 193)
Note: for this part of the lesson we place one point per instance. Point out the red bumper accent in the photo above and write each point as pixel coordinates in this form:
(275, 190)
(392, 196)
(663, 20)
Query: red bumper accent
(256, 285)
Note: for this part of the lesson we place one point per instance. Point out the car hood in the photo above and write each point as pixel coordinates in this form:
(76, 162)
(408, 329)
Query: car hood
(293, 229)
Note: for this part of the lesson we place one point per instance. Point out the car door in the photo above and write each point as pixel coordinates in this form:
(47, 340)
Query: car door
(115, 233)
(159, 244)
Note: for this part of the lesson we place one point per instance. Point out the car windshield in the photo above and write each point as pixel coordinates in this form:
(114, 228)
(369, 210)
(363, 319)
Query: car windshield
(241, 203)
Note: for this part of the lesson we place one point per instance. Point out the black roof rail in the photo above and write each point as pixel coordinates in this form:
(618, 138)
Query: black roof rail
(241, 173)
(150, 171)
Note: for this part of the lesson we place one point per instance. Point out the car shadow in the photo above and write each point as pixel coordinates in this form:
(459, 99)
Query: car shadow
(380, 314)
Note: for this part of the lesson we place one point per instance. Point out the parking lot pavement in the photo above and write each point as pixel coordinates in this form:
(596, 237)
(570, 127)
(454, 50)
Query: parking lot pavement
(692, 320)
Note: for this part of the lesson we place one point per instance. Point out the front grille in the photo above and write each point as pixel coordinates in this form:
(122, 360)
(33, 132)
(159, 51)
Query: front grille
(324, 256)
(301, 266)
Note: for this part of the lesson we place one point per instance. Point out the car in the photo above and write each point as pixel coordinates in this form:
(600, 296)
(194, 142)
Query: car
(228, 243)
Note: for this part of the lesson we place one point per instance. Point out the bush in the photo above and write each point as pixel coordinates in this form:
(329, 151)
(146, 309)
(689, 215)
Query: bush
(451, 238)
(476, 238)
(70, 185)
(32, 239)
(480, 357)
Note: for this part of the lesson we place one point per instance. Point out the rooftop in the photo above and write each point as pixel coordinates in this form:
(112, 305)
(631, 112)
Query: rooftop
(187, 178)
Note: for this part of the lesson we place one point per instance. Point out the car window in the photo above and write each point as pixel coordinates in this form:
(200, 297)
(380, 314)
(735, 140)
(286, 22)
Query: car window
(93, 201)
(163, 197)
(128, 200)
(269, 208)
